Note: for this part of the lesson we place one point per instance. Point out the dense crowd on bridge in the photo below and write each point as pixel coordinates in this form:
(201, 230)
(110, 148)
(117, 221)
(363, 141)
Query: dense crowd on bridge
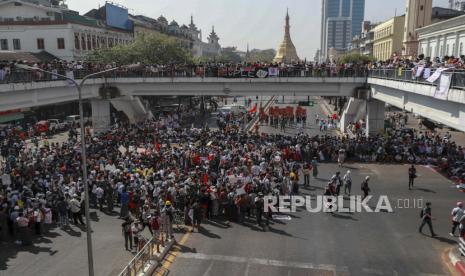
(10, 71)
(157, 172)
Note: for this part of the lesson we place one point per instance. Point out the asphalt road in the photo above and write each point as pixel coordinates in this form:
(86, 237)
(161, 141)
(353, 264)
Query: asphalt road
(340, 244)
(64, 252)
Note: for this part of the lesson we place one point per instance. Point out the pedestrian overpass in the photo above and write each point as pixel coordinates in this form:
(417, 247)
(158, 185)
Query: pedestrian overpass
(368, 95)
(21, 95)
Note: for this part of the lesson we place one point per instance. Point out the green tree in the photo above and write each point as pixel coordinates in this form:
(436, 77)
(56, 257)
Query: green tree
(266, 56)
(229, 54)
(149, 49)
(354, 58)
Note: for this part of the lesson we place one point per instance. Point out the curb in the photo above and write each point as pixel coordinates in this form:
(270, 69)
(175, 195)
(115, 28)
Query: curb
(153, 263)
(455, 259)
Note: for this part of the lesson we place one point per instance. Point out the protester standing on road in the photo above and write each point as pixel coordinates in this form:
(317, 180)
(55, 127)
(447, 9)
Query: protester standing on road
(341, 157)
(167, 215)
(347, 183)
(315, 167)
(306, 172)
(337, 182)
(124, 197)
(412, 174)
(127, 233)
(457, 214)
(196, 216)
(24, 231)
(155, 228)
(365, 187)
(75, 206)
(426, 218)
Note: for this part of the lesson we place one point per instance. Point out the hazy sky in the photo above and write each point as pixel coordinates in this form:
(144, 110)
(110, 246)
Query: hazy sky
(257, 22)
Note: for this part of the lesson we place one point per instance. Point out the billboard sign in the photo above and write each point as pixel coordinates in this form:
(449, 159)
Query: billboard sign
(117, 17)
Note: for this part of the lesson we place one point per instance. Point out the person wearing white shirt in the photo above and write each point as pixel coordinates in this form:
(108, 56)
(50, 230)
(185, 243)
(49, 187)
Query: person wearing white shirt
(457, 214)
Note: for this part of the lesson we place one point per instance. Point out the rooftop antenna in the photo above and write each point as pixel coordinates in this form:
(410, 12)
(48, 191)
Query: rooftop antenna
(395, 12)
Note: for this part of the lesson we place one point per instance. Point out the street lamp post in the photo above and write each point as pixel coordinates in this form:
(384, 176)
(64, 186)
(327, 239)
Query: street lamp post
(90, 258)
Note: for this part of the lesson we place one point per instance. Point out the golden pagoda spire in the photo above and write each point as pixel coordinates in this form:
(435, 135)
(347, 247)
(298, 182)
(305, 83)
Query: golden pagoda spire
(287, 52)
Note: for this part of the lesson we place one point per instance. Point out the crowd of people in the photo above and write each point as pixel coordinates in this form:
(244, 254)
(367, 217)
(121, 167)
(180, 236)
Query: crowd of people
(156, 169)
(11, 71)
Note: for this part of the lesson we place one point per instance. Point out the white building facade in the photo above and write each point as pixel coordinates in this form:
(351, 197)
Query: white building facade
(445, 38)
(29, 27)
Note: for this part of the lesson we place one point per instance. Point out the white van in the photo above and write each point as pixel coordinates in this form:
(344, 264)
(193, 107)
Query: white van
(234, 109)
(72, 119)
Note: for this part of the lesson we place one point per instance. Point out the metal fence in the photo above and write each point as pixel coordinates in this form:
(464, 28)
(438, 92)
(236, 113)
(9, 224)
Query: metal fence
(25, 76)
(457, 81)
(142, 258)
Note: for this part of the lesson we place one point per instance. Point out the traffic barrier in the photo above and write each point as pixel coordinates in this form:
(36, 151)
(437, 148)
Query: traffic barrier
(147, 259)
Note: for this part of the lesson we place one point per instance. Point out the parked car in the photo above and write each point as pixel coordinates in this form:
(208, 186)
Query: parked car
(56, 125)
(234, 109)
(72, 119)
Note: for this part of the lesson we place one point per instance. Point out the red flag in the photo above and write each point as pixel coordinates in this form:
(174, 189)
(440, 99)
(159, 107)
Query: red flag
(253, 109)
(157, 147)
(205, 179)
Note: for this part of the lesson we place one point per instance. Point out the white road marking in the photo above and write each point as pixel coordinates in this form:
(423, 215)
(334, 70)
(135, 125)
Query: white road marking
(281, 217)
(373, 271)
(246, 273)
(265, 262)
(207, 272)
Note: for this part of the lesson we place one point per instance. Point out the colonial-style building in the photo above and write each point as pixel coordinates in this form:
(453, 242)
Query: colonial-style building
(445, 38)
(189, 36)
(36, 26)
(388, 38)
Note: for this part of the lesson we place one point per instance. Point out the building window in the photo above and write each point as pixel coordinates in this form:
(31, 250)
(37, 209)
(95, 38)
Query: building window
(83, 42)
(89, 42)
(40, 44)
(77, 45)
(16, 44)
(94, 42)
(61, 43)
(4, 44)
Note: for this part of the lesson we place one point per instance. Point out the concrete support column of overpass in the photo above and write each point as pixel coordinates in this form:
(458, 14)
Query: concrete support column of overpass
(101, 118)
(375, 116)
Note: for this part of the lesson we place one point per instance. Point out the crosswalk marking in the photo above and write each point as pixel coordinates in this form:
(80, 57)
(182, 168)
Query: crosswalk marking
(265, 262)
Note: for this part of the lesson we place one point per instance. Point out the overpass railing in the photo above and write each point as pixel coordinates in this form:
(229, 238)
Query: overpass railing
(457, 81)
(25, 76)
